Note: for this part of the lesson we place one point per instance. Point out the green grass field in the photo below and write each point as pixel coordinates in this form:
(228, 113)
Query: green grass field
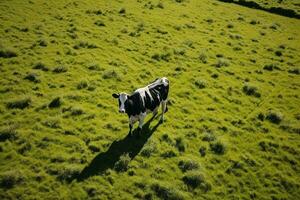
(287, 4)
(233, 126)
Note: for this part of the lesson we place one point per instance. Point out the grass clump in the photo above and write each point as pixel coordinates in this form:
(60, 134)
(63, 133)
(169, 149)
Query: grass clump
(189, 43)
(278, 53)
(110, 74)
(122, 164)
(60, 69)
(148, 150)
(32, 77)
(42, 43)
(76, 111)
(160, 5)
(180, 144)
(194, 179)
(99, 23)
(94, 147)
(203, 57)
(222, 62)
(55, 103)
(274, 117)
(19, 103)
(251, 90)
(202, 151)
(69, 173)
(200, 84)
(7, 53)
(168, 154)
(294, 71)
(122, 11)
(187, 165)
(11, 178)
(40, 66)
(268, 146)
(179, 51)
(217, 147)
(208, 137)
(96, 12)
(166, 193)
(254, 22)
(8, 133)
(166, 56)
(94, 66)
(82, 84)
(261, 116)
(83, 44)
(24, 148)
(230, 25)
(52, 123)
(271, 67)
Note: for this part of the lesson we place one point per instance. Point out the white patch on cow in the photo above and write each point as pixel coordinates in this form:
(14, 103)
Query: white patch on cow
(123, 97)
(159, 81)
(142, 92)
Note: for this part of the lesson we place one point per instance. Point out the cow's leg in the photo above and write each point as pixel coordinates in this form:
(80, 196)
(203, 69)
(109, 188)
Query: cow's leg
(166, 110)
(141, 121)
(131, 122)
(155, 111)
(163, 109)
(130, 128)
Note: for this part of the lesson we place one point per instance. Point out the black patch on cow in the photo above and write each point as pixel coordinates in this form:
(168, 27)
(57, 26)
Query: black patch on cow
(134, 105)
(119, 103)
(163, 91)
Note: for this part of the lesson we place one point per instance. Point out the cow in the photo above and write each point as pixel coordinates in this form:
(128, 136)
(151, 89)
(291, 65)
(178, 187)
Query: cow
(143, 101)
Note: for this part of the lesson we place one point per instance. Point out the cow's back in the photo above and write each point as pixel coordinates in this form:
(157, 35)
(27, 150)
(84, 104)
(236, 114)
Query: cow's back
(149, 98)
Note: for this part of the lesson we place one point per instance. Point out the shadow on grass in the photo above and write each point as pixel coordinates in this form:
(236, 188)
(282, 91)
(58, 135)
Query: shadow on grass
(130, 144)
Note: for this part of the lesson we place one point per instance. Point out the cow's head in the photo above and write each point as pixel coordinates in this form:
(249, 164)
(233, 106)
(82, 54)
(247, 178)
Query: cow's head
(122, 97)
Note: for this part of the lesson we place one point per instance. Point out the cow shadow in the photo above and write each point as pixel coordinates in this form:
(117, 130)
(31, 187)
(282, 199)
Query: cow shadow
(131, 144)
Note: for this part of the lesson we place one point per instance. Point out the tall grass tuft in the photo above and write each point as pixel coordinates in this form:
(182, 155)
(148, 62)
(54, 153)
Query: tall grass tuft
(41, 66)
(222, 62)
(274, 117)
(55, 103)
(251, 90)
(7, 53)
(32, 77)
(180, 145)
(218, 148)
(166, 193)
(194, 179)
(60, 69)
(122, 164)
(11, 178)
(82, 84)
(8, 133)
(19, 103)
(186, 165)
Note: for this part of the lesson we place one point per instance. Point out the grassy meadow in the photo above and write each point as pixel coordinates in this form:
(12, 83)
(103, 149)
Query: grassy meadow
(286, 4)
(233, 126)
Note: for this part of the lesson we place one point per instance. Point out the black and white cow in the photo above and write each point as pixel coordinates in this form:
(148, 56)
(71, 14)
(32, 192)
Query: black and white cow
(144, 100)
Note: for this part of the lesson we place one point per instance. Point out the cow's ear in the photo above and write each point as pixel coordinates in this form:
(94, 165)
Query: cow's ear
(115, 95)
